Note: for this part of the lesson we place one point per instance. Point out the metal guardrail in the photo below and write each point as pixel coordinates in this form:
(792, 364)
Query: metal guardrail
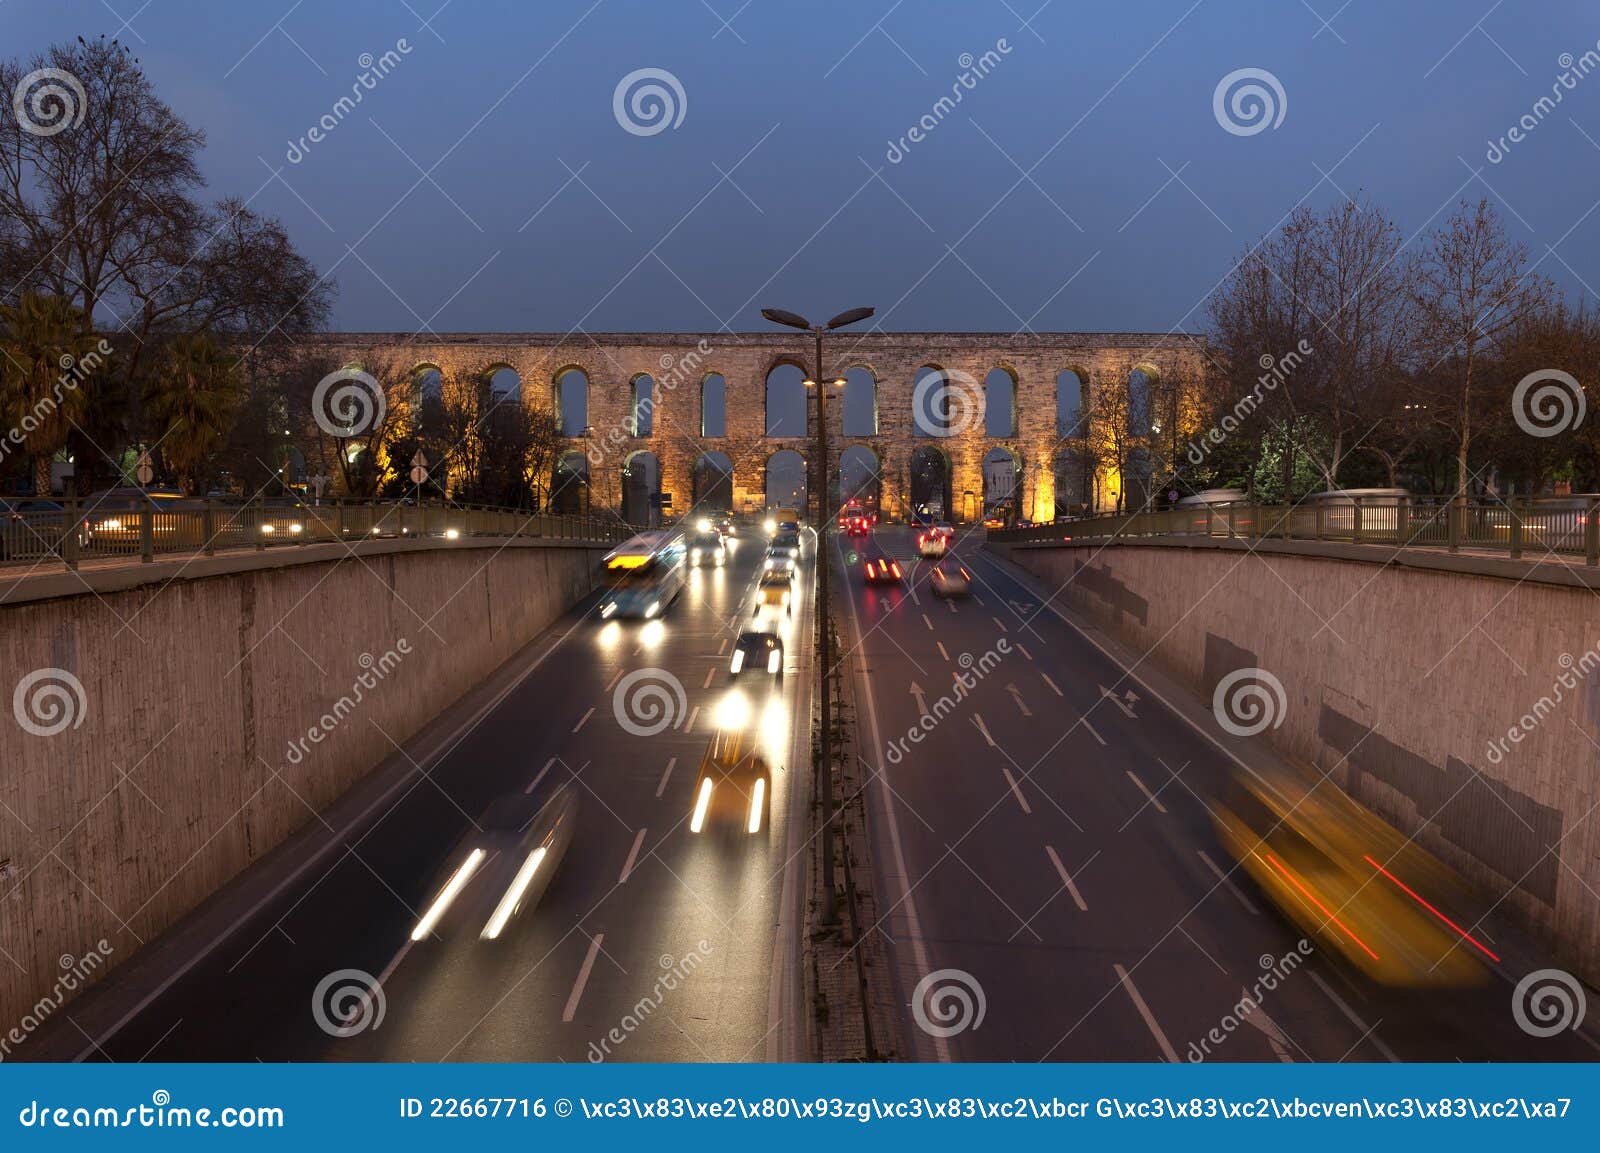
(71, 531)
(1517, 526)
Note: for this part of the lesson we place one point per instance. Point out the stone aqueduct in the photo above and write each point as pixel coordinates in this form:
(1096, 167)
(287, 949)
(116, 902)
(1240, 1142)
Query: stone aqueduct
(679, 364)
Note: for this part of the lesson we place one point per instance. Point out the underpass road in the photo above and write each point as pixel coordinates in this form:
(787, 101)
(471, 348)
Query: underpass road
(1047, 835)
(650, 944)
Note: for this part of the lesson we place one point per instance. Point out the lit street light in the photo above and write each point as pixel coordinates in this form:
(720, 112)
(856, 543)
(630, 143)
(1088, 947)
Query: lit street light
(824, 518)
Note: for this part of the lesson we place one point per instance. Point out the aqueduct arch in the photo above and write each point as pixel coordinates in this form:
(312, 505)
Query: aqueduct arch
(678, 365)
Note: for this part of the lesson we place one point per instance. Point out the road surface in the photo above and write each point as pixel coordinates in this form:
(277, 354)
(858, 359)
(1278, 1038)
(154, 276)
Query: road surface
(637, 899)
(1049, 840)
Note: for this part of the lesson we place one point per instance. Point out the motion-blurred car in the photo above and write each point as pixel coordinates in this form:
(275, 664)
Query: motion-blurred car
(778, 560)
(857, 526)
(734, 784)
(993, 521)
(787, 540)
(932, 545)
(1349, 880)
(498, 871)
(707, 549)
(755, 650)
(775, 591)
(945, 529)
(882, 570)
(950, 580)
(32, 528)
(724, 525)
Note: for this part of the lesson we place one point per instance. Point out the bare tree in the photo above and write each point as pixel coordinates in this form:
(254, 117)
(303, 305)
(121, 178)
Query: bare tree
(1473, 288)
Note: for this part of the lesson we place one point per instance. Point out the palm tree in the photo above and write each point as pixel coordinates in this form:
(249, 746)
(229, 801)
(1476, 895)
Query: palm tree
(192, 401)
(42, 338)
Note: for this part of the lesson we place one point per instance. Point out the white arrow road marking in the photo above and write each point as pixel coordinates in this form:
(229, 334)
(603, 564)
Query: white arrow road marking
(583, 977)
(633, 856)
(918, 692)
(984, 729)
(1257, 1017)
(1052, 685)
(1066, 879)
(1148, 795)
(951, 605)
(1016, 791)
(1125, 706)
(1022, 608)
(662, 787)
(1016, 695)
(1150, 1022)
(534, 784)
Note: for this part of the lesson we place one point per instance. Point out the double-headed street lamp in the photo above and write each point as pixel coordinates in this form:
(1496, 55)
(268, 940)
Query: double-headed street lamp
(824, 517)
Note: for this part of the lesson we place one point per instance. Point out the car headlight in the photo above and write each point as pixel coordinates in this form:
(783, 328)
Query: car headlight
(268, 529)
(704, 524)
(111, 525)
(607, 609)
(694, 554)
(770, 526)
(452, 533)
(738, 661)
(296, 527)
(775, 661)
(655, 606)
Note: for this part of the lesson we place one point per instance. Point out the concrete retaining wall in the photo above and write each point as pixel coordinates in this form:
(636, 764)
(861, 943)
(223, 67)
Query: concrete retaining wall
(1411, 678)
(176, 770)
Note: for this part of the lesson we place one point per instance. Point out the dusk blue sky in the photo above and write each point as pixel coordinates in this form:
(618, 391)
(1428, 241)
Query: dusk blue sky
(1136, 204)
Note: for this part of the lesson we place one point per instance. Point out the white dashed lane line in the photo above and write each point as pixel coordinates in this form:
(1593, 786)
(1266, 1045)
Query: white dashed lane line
(984, 729)
(534, 784)
(1126, 978)
(662, 787)
(689, 724)
(583, 977)
(710, 676)
(583, 720)
(633, 857)
(942, 653)
(1228, 881)
(1093, 732)
(1016, 790)
(1066, 879)
(614, 681)
(1148, 795)
(1000, 624)
(1023, 649)
(927, 622)
(1052, 685)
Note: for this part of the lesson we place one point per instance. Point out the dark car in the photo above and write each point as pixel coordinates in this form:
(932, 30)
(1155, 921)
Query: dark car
(882, 570)
(759, 651)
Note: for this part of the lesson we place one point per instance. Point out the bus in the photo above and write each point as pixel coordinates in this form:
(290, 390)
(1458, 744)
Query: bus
(644, 575)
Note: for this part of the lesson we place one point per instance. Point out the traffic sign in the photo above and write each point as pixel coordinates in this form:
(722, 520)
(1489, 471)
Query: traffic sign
(143, 469)
(419, 468)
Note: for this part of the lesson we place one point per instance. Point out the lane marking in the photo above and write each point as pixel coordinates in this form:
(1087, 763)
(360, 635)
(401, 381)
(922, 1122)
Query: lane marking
(1052, 685)
(927, 622)
(1367, 1031)
(689, 725)
(984, 729)
(633, 856)
(710, 675)
(1066, 879)
(1016, 695)
(583, 720)
(1016, 791)
(1148, 795)
(1167, 1050)
(951, 604)
(662, 787)
(1093, 732)
(1228, 881)
(583, 977)
(613, 682)
(1024, 650)
(722, 649)
(534, 784)
(919, 692)
(1125, 705)
(1001, 624)
(942, 653)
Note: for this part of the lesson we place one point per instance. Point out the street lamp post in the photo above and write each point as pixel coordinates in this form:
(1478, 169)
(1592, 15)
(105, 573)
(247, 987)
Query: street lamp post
(830, 913)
